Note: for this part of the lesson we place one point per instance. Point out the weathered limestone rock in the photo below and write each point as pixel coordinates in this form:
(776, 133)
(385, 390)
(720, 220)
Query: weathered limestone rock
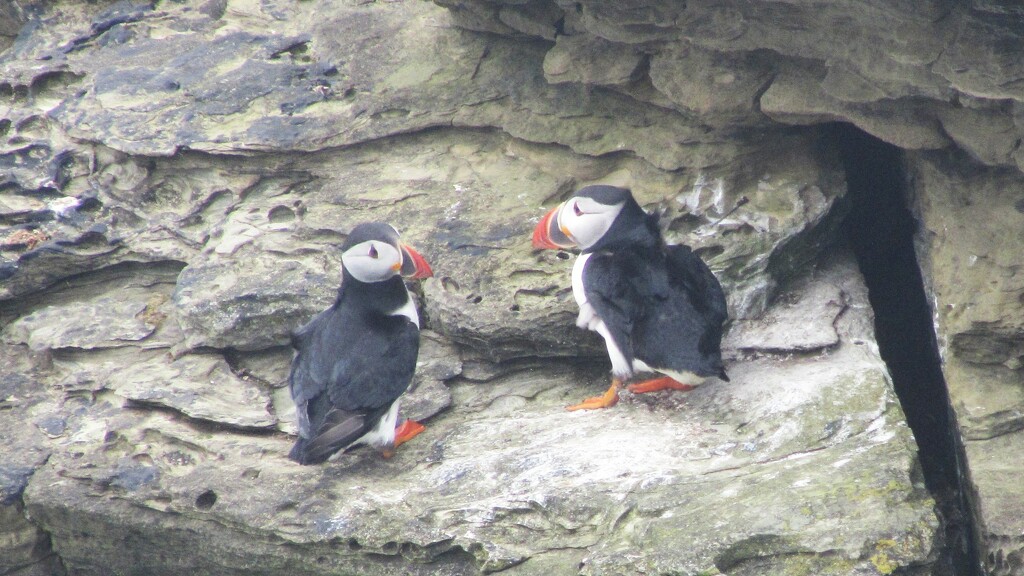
(411, 71)
(176, 179)
(11, 20)
(591, 60)
(259, 299)
(26, 548)
(975, 272)
(970, 245)
(795, 98)
(24, 405)
(923, 75)
(507, 480)
(901, 73)
(263, 259)
(718, 88)
(106, 321)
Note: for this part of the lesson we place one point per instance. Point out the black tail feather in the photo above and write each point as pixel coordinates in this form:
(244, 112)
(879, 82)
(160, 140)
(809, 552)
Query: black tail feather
(306, 454)
(298, 452)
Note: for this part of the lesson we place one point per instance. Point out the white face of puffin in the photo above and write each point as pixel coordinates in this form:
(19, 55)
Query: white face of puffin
(372, 261)
(585, 220)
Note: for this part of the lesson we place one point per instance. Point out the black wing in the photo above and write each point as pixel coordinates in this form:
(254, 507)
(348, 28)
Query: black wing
(693, 315)
(622, 290)
(666, 309)
(688, 271)
(345, 376)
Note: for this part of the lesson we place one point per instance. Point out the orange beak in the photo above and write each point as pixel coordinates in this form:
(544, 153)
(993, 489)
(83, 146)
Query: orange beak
(548, 235)
(413, 265)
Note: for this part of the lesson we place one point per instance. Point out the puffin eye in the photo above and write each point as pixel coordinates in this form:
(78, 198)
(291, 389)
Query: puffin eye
(373, 251)
(576, 208)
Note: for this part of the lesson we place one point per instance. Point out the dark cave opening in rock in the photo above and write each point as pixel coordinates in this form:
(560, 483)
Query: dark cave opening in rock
(880, 228)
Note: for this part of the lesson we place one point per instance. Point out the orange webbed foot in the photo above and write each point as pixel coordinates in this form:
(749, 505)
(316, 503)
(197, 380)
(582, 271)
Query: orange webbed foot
(665, 383)
(607, 400)
(403, 433)
(407, 431)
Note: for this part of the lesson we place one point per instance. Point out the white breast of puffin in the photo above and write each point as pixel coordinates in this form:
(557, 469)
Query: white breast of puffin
(589, 319)
(408, 310)
(577, 279)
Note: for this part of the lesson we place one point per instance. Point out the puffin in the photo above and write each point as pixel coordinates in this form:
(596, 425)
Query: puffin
(353, 361)
(658, 307)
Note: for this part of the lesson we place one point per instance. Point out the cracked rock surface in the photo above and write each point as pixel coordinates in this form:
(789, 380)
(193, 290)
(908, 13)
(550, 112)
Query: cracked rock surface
(802, 460)
(175, 179)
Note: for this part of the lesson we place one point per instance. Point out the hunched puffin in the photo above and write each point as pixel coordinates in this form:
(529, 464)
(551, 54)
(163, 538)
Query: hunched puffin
(658, 307)
(354, 360)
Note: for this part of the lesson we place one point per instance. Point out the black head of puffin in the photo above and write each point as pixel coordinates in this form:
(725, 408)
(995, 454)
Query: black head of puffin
(373, 252)
(584, 219)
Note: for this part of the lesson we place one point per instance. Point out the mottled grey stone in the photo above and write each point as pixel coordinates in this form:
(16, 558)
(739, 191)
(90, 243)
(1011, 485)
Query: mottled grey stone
(218, 154)
(800, 321)
(591, 60)
(249, 303)
(200, 386)
(968, 248)
(506, 476)
(103, 322)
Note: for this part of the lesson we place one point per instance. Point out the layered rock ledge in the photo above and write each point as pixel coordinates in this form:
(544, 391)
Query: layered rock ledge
(175, 179)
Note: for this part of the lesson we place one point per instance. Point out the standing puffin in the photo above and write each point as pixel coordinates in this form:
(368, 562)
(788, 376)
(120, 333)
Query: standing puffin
(354, 360)
(658, 307)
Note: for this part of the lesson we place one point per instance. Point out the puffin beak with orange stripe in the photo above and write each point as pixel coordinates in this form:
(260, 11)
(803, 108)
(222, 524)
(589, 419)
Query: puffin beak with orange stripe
(413, 265)
(549, 235)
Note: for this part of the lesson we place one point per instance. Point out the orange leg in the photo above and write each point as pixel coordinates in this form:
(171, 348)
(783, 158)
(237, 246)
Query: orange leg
(665, 383)
(606, 400)
(407, 431)
(403, 433)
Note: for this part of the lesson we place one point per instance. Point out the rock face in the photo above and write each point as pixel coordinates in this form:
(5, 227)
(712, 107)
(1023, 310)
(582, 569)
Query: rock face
(507, 480)
(176, 179)
(975, 273)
